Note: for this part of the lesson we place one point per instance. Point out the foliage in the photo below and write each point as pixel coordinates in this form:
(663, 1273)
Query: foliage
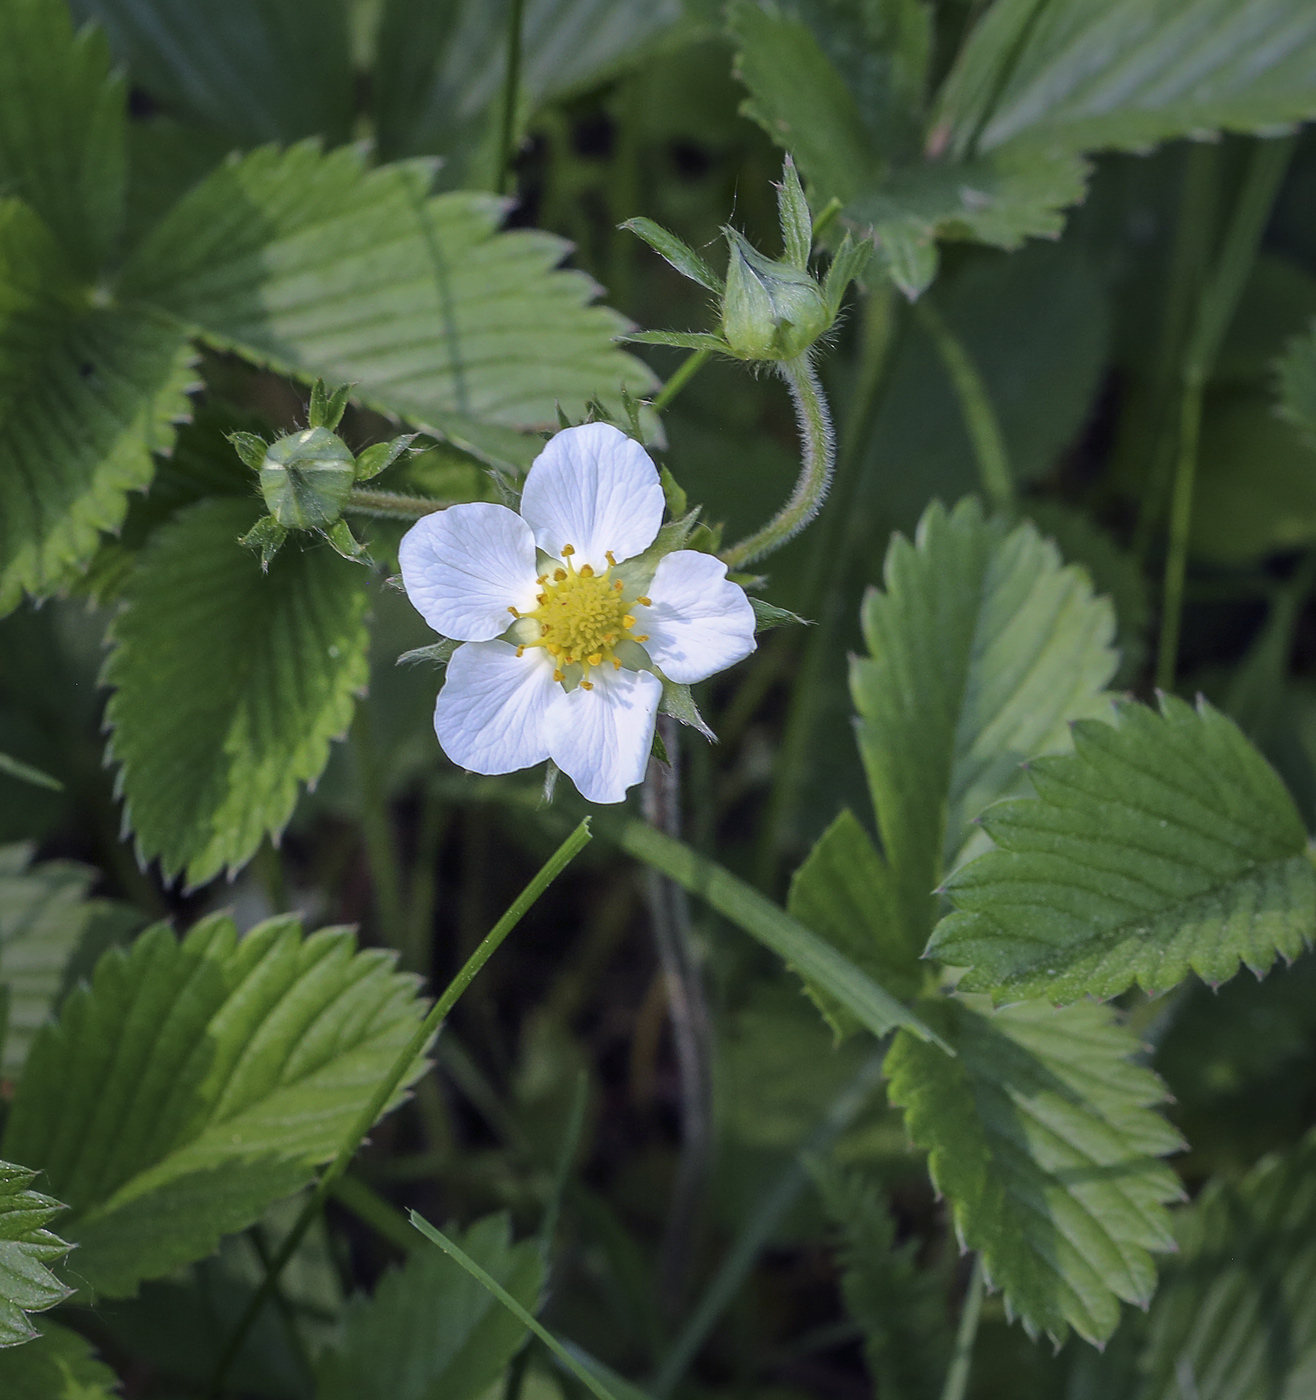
(26, 1249)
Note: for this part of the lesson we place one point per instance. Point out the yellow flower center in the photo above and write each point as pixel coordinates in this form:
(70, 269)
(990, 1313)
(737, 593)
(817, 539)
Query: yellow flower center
(581, 617)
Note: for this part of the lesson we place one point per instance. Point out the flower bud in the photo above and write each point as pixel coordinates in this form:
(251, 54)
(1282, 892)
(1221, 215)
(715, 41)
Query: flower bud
(772, 310)
(306, 477)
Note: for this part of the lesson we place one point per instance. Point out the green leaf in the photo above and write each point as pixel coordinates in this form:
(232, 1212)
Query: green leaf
(901, 1308)
(229, 685)
(431, 1332)
(314, 265)
(195, 1082)
(1235, 1318)
(26, 1247)
(1297, 384)
(62, 119)
(1163, 843)
(1127, 74)
(440, 70)
(58, 1365)
(255, 70)
(87, 394)
(1041, 1136)
(982, 648)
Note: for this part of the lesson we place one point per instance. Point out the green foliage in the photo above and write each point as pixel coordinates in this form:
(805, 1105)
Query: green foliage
(431, 1332)
(1163, 843)
(26, 1248)
(432, 314)
(194, 1082)
(229, 685)
(1297, 384)
(58, 1365)
(1041, 1134)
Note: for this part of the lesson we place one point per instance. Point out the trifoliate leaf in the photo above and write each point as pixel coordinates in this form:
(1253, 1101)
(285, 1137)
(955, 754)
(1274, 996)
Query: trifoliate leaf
(26, 1247)
(254, 70)
(1163, 843)
(315, 265)
(982, 647)
(87, 394)
(431, 1332)
(1041, 1135)
(58, 1365)
(229, 685)
(62, 120)
(1126, 75)
(192, 1084)
(1297, 384)
(1235, 1318)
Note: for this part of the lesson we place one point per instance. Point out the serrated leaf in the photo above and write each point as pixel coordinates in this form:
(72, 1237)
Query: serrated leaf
(87, 395)
(1163, 843)
(431, 1332)
(57, 1365)
(229, 685)
(62, 120)
(255, 70)
(1235, 1318)
(1297, 384)
(1041, 1134)
(195, 1082)
(315, 265)
(982, 647)
(26, 1248)
(1128, 74)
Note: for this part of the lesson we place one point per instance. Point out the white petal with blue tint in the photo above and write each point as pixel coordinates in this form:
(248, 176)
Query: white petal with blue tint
(595, 489)
(601, 738)
(699, 622)
(464, 567)
(491, 713)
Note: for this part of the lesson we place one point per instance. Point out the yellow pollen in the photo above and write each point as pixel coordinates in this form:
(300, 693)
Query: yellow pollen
(581, 616)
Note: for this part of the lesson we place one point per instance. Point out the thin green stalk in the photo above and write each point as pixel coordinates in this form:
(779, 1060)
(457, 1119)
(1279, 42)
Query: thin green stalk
(391, 505)
(24, 772)
(686, 371)
(980, 419)
(1215, 310)
(372, 1209)
(818, 452)
(758, 1229)
(388, 1086)
(511, 96)
(454, 1252)
(961, 1359)
(377, 827)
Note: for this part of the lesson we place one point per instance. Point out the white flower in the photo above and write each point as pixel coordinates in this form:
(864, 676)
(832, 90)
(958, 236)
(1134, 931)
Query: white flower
(564, 642)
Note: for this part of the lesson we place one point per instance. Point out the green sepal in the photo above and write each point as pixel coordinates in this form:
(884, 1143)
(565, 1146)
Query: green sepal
(436, 654)
(682, 257)
(849, 263)
(677, 501)
(636, 574)
(772, 310)
(796, 220)
(658, 750)
(346, 543)
(767, 616)
(327, 409)
(381, 456)
(683, 340)
(250, 448)
(678, 702)
(267, 537)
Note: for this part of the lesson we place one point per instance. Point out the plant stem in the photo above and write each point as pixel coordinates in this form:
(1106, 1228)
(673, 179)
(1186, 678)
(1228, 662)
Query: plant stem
(686, 371)
(391, 505)
(980, 418)
(388, 1086)
(1215, 310)
(511, 96)
(757, 1230)
(818, 453)
(377, 827)
(957, 1377)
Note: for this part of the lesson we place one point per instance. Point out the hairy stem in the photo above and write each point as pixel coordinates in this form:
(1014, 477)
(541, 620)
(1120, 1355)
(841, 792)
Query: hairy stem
(387, 1087)
(391, 505)
(961, 1359)
(980, 418)
(818, 446)
(1215, 310)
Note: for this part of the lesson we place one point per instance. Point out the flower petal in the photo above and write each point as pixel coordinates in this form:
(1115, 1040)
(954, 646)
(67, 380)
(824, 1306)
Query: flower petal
(490, 715)
(700, 622)
(465, 566)
(601, 738)
(594, 488)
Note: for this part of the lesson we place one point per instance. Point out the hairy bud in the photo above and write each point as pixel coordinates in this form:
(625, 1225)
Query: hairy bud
(772, 310)
(306, 477)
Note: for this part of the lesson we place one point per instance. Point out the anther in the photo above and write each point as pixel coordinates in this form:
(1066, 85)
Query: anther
(558, 676)
(568, 550)
(628, 621)
(520, 651)
(554, 649)
(595, 658)
(617, 585)
(616, 665)
(607, 554)
(587, 685)
(514, 612)
(560, 574)
(648, 602)
(641, 636)
(587, 571)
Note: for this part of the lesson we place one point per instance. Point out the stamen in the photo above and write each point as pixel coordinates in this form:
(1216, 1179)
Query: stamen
(628, 621)
(617, 585)
(596, 659)
(641, 636)
(560, 575)
(587, 571)
(587, 685)
(553, 649)
(616, 665)
(520, 652)
(558, 676)
(607, 554)
(568, 550)
(648, 602)
(514, 612)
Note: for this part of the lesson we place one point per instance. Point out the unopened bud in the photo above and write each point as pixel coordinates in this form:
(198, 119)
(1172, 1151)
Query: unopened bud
(772, 310)
(306, 477)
